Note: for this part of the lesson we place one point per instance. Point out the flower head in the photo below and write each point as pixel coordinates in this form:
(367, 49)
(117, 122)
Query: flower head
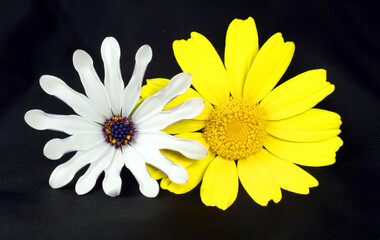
(112, 129)
(254, 133)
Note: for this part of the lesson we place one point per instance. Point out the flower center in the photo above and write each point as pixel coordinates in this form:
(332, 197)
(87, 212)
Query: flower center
(235, 129)
(118, 131)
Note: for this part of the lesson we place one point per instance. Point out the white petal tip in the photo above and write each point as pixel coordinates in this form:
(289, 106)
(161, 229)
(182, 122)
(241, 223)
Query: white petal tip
(112, 192)
(196, 104)
(55, 183)
(83, 187)
(199, 150)
(177, 173)
(58, 178)
(110, 41)
(34, 118)
(144, 55)
(81, 191)
(180, 177)
(80, 57)
(50, 84)
(51, 149)
(110, 46)
(184, 76)
(203, 152)
(150, 190)
(111, 188)
(198, 155)
(180, 83)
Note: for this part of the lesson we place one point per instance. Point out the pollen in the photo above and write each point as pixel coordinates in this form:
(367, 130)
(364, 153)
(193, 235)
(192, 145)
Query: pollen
(235, 129)
(118, 131)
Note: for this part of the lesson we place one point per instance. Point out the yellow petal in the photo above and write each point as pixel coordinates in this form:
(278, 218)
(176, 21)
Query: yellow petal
(297, 95)
(185, 126)
(311, 126)
(220, 183)
(152, 86)
(267, 68)
(195, 171)
(289, 176)
(198, 57)
(242, 44)
(257, 180)
(156, 84)
(315, 154)
(154, 172)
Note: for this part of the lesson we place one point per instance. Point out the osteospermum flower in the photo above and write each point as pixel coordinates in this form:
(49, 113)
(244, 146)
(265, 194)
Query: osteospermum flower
(111, 130)
(253, 133)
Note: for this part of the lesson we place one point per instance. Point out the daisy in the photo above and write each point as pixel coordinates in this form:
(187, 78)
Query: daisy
(112, 129)
(253, 133)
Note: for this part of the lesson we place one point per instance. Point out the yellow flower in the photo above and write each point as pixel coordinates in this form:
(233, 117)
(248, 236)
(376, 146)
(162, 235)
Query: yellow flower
(254, 133)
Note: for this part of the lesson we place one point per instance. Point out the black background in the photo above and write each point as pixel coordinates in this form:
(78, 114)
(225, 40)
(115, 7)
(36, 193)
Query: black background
(39, 37)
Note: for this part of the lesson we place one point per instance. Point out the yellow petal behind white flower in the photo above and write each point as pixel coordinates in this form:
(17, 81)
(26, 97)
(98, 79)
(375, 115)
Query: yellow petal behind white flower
(196, 172)
(163, 119)
(185, 126)
(160, 140)
(176, 172)
(154, 104)
(155, 85)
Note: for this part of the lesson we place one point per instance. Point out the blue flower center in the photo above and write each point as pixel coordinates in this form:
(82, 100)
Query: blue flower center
(118, 131)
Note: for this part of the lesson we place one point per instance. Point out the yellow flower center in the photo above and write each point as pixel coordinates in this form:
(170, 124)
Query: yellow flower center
(235, 129)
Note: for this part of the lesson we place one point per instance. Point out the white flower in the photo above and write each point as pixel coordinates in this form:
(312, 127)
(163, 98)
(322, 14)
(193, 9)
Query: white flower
(111, 130)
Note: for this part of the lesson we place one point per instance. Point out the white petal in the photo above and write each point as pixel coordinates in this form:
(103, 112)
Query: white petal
(87, 182)
(65, 172)
(94, 88)
(56, 148)
(132, 92)
(77, 101)
(154, 104)
(136, 164)
(70, 124)
(154, 157)
(113, 81)
(160, 140)
(188, 110)
(112, 181)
